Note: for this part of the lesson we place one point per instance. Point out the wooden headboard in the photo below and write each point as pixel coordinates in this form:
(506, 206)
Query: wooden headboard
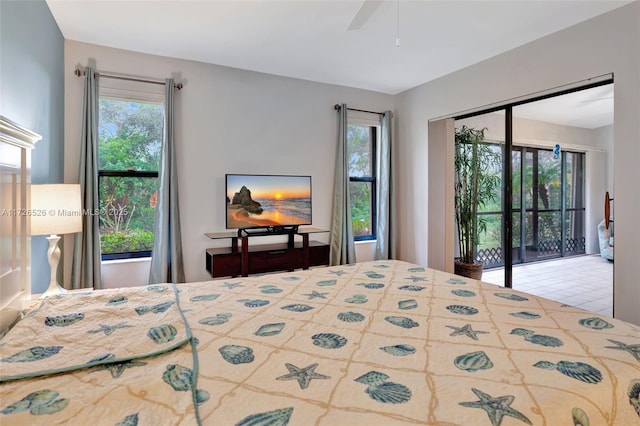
(16, 144)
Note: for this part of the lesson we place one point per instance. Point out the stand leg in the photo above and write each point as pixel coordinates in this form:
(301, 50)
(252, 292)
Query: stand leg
(244, 259)
(305, 251)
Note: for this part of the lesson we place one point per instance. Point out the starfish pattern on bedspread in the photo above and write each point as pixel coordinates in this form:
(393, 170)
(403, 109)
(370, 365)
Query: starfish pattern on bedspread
(496, 407)
(634, 350)
(316, 295)
(466, 330)
(116, 369)
(302, 375)
(231, 286)
(108, 329)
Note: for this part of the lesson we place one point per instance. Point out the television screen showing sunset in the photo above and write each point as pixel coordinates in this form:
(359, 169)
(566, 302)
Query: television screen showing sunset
(268, 200)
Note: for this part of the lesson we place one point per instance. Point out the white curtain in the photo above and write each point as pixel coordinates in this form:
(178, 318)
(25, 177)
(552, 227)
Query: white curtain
(85, 272)
(342, 248)
(166, 258)
(384, 243)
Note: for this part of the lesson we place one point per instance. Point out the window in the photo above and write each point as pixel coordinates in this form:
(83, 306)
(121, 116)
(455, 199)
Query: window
(129, 147)
(361, 140)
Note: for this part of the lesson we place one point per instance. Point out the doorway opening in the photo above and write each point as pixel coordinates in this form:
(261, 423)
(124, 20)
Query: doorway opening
(559, 151)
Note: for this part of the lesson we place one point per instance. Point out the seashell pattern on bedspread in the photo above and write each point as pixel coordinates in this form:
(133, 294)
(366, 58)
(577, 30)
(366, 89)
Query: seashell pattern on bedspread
(380, 343)
(70, 333)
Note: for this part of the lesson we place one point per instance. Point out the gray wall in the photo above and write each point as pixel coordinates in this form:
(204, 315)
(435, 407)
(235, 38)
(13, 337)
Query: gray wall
(32, 95)
(609, 43)
(227, 121)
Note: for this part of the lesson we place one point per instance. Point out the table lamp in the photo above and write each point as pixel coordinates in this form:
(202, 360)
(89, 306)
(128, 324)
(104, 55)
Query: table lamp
(55, 209)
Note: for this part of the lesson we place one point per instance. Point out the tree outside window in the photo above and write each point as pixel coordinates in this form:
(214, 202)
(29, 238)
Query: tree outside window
(130, 140)
(361, 142)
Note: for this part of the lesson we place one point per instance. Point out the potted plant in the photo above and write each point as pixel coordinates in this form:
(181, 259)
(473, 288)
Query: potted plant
(476, 183)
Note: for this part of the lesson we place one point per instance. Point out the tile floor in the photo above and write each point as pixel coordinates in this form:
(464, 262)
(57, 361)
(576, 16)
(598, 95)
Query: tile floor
(582, 281)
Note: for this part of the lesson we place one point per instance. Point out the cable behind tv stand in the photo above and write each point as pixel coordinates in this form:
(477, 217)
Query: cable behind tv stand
(245, 259)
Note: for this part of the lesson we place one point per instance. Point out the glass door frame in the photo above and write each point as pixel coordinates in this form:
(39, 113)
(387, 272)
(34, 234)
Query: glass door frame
(507, 189)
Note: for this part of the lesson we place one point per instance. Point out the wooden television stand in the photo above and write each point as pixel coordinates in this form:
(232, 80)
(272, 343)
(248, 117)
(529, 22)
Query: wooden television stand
(243, 259)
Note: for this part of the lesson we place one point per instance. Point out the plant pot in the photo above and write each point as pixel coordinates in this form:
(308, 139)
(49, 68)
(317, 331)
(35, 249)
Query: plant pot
(469, 270)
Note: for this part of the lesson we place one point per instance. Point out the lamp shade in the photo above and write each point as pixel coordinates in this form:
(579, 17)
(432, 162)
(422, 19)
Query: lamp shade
(55, 209)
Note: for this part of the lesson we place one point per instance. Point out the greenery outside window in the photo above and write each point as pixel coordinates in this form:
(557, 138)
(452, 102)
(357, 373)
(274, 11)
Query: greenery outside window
(362, 140)
(129, 146)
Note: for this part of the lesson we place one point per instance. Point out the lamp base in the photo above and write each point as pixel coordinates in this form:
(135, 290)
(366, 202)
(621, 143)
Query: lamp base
(53, 289)
(53, 254)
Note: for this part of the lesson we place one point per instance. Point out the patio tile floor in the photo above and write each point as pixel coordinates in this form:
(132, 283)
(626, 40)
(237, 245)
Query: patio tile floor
(582, 281)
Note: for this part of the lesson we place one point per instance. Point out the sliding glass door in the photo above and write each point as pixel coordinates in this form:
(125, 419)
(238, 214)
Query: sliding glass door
(548, 204)
(547, 200)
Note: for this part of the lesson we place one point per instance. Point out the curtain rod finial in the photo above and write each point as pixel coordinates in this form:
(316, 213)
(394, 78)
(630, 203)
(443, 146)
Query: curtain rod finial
(78, 73)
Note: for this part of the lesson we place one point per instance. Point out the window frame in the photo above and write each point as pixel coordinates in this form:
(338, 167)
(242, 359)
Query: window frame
(373, 146)
(126, 95)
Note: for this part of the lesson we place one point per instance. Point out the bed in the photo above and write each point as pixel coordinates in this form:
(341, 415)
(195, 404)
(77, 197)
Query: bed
(375, 343)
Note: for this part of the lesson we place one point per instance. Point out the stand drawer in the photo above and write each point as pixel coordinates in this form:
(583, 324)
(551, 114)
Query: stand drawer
(275, 259)
(223, 264)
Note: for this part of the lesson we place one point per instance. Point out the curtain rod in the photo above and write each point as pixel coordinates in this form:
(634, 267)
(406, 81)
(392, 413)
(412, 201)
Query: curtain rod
(79, 73)
(338, 106)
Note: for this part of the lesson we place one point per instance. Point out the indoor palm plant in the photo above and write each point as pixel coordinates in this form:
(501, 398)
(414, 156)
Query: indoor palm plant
(477, 181)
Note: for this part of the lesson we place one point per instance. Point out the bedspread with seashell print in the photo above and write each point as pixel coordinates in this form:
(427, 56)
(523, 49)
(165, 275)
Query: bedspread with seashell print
(375, 343)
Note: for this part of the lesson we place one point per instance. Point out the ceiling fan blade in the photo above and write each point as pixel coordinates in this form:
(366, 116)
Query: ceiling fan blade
(364, 13)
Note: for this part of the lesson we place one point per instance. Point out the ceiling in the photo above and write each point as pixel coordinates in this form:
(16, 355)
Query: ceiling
(589, 109)
(308, 39)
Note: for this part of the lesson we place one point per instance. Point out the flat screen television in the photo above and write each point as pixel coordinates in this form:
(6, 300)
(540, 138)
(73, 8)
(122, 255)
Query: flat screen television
(267, 201)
